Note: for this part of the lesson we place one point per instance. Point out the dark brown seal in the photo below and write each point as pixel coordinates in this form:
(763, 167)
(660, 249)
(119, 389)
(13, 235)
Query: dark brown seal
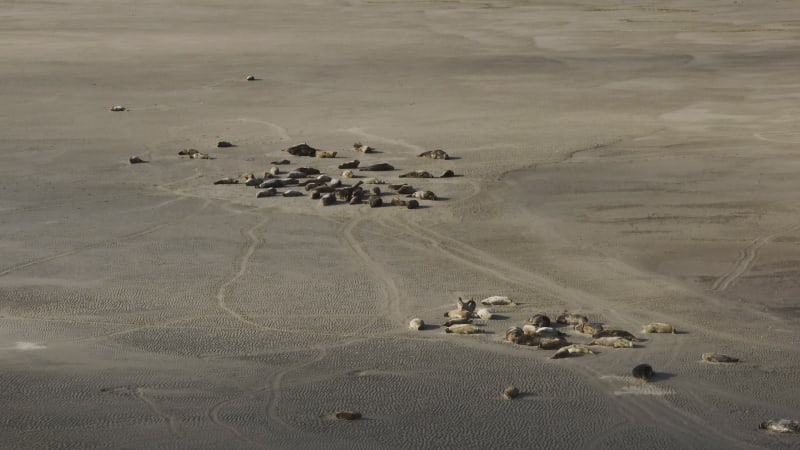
(381, 167)
(643, 372)
(302, 149)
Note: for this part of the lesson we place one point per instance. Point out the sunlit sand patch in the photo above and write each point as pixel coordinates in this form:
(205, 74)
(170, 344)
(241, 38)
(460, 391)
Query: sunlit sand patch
(636, 387)
(25, 346)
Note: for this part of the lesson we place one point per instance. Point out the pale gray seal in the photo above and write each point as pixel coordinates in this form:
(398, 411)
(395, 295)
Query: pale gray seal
(781, 426)
(658, 327)
(416, 324)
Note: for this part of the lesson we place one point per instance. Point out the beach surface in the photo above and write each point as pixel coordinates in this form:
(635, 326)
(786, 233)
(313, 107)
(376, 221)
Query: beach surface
(634, 162)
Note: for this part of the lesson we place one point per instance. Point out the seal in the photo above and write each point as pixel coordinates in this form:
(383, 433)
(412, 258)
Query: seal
(468, 306)
(293, 194)
(188, 152)
(513, 333)
(497, 300)
(447, 174)
(571, 319)
(359, 147)
(462, 329)
(348, 174)
(251, 78)
(552, 343)
(271, 192)
(375, 201)
(412, 204)
(373, 180)
(485, 314)
(423, 195)
(199, 155)
(540, 320)
(272, 182)
(308, 170)
(781, 426)
(573, 349)
(719, 358)
(118, 108)
(416, 174)
(434, 154)
(227, 181)
(224, 144)
(281, 162)
(588, 327)
(323, 154)
(458, 314)
(416, 324)
(658, 327)
(301, 149)
(136, 160)
(612, 341)
(510, 392)
(327, 200)
(348, 415)
(643, 372)
(461, 321)
(381, 167)
(349, 164)
(615, 333)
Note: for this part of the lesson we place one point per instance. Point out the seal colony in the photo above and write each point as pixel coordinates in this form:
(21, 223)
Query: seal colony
(325, 188)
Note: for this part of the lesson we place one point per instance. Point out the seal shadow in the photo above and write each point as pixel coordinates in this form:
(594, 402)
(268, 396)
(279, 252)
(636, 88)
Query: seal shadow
(662, 376)
(430, 326)
(500, 317)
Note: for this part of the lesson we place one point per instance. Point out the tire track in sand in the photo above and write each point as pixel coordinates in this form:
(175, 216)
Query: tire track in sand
(390, 291)
(745, 259)
(170, 419)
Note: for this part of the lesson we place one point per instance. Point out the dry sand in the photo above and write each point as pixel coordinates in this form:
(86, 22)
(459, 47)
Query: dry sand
(636, 162)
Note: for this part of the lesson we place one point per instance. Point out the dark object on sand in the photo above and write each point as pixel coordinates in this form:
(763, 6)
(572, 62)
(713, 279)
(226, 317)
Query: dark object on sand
(302, 149)
(379, 167)
(136, 160)
(348, 415)
(643, 372)
(224, 144)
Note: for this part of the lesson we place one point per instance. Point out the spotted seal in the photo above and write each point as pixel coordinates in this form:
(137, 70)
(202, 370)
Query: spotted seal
(780, 426)
(424, 195)
(416, 174)
(588, 327)
(719, 358)
(361, 148)
(498, 300)
(434, 154)
(658, 327)
(462, 329)
(416, 324)
(510, 392)
(227, 181)
(324, 154)
(540, 320)
(615, 333)
(571, 318)
(612, 341)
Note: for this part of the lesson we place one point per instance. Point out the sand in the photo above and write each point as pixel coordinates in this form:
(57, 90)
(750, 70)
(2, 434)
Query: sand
(634, 162)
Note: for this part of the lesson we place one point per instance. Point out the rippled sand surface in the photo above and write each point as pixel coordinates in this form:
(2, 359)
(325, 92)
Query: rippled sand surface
(634, 162)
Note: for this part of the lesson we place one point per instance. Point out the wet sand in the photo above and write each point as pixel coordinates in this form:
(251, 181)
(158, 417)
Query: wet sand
(632, 162)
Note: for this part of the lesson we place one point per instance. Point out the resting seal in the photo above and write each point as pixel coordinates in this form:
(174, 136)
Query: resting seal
(416, 174)
(657, 327)
(643, 372)
(462, 329)
(363, 148)
(378, 167)
(302, 149)
(540, 320)
(781, 426)
(616, 333)
(571, 319)
(434, 154)
(416, 324)
(719, 358)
